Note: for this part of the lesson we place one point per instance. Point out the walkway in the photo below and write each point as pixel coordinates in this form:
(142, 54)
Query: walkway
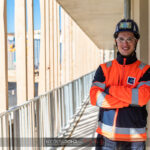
(86, 126)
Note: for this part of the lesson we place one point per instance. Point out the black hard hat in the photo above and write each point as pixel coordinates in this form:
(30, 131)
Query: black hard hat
(127, 25)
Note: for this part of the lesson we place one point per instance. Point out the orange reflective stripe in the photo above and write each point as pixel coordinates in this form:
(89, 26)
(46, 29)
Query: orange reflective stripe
(122, 137)
(115, 119)
(121, 130)
(135, 137)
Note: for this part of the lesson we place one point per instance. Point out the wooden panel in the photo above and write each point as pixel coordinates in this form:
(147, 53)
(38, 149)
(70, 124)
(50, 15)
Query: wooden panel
(78, 40)
(76, 47)
(71, 49)
(21, 53)
(51, 42)
(85, 53)
(47, 45)
(66, 50)
(58, 45)
(63, 63)
(30, 50)
(42, 67)
(3, 58)
(55, 46)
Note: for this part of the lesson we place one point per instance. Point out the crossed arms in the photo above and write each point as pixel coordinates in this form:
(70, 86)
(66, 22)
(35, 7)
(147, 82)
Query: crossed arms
(119, 96)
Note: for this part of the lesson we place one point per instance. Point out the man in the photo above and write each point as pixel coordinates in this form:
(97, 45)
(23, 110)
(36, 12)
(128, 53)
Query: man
(121, 88)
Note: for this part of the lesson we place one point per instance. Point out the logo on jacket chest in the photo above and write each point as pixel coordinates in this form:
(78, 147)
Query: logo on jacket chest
(131, 80)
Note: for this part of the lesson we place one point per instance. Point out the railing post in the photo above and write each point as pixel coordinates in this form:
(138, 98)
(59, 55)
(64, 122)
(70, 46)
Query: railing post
(66, 105)
(52, 114)
(74, 96)
(16, 129)
(59, 111)
(71, 101)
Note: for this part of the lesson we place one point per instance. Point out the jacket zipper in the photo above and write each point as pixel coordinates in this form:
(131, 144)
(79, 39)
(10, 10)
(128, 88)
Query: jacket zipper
(123, 70)
(121, 83)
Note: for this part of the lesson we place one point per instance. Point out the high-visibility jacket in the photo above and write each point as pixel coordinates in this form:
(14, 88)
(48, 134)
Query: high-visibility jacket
(121, 88)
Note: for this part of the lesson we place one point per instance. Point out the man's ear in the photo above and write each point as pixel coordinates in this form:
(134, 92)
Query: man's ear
(136, 43)
(137, 40)
(115, 42)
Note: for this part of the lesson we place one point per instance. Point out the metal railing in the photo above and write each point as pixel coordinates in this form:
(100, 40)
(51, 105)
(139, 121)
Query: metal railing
(46, 116)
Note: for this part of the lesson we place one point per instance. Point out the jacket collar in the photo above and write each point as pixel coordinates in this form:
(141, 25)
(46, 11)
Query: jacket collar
(129, 60)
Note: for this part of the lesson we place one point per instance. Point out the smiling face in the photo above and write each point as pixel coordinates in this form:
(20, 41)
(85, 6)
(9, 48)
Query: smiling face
(126, 43)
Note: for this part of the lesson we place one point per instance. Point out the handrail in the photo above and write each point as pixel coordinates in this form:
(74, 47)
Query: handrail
(48, 115)
(37, 97)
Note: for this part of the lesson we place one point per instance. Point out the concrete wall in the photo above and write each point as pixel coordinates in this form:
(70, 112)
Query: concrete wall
(140, 11)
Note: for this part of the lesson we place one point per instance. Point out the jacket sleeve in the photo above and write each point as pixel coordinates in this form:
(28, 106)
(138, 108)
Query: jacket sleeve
(99, 95)
(138, 96)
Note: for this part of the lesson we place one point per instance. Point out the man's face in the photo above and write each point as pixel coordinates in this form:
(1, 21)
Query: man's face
(126, 43)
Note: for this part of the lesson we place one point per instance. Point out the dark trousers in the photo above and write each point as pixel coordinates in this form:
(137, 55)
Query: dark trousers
(104, 143)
